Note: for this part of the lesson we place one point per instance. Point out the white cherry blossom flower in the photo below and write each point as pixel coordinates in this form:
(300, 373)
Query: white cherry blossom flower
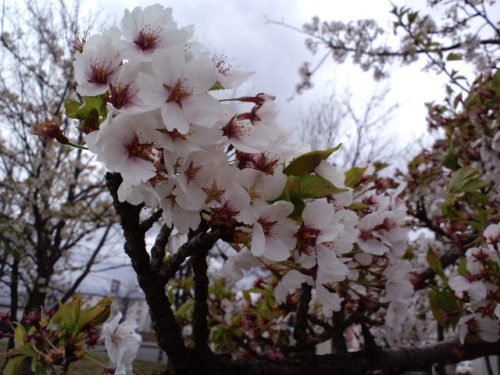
(97, 66)
(124, 149)
(122, 343)
(492, 233)
(150, 29)
(179, 89)
(236, 265)
(319, 225)
(290, 282)
(227, 77)
(476, 289)
(273, 232)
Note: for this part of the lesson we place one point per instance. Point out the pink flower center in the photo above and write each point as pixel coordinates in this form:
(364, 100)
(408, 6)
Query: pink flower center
(191, 172)
(178, 92)
(173, 134)
(78, 44)
(223, 215)
(120, 95)
(388, 224)
(266, 226)
(214, 193)
(366, 235)
(139, 150)
(234, 129)
(261, 162)
(306, 239)
(219, 63)
(171, 199)
(148, 38)
(100, 72)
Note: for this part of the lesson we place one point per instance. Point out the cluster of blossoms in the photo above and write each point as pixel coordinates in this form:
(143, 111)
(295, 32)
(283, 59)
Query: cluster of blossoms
(477, 285)
(453, 191)
(55, 338)
(180, 148)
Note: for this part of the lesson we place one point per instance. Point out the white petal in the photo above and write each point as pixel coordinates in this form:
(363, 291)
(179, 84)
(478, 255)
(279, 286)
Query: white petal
(203, 110)
(258, 240)
(174, 118)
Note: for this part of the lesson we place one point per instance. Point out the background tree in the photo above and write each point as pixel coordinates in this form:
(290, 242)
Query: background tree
(52, 201)
(362, 130)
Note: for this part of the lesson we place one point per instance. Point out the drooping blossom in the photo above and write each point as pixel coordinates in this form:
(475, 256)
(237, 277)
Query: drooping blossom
(122, 343)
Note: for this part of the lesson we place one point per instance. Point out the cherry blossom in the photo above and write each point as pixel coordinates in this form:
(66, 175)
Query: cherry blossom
(273, 232)
(179, 89)
(98, 64)
(122, 343)
(148, 30)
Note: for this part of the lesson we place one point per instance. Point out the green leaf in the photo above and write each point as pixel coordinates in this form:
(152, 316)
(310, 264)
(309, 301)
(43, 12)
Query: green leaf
(68, 314)
(292, 188)
(379, 166)
(462, 267)
(216, 86)
(14, 365)
(71, 107)
(450, 161)
(298, 207)
(454, 56)
(306, 163)
(411, 17)
(91, 122)
(354, 175)
(445, 307)
(81, 111)
(435, 264)
(19, 336)
(466, 179)
(358, 206)
(97, 314)
(474, 184)
(314, 186)
(185, 311)
(37, 368)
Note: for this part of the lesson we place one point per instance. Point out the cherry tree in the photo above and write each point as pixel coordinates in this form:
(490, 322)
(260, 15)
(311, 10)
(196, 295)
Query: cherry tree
(329, 245)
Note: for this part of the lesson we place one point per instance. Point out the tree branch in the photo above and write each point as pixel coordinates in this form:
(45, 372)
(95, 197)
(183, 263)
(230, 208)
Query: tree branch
(158, 249)
(166, 328)
(148, 223)
(197, 243)
(300, 331)
(200, 314)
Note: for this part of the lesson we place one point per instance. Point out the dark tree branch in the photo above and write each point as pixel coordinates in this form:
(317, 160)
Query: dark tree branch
(200, 314)
(359, 363)
(444, 352)
(197, 243)
(158, 249)
(300, 331)
(148, 223)
(167, 330)
(338, 339)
